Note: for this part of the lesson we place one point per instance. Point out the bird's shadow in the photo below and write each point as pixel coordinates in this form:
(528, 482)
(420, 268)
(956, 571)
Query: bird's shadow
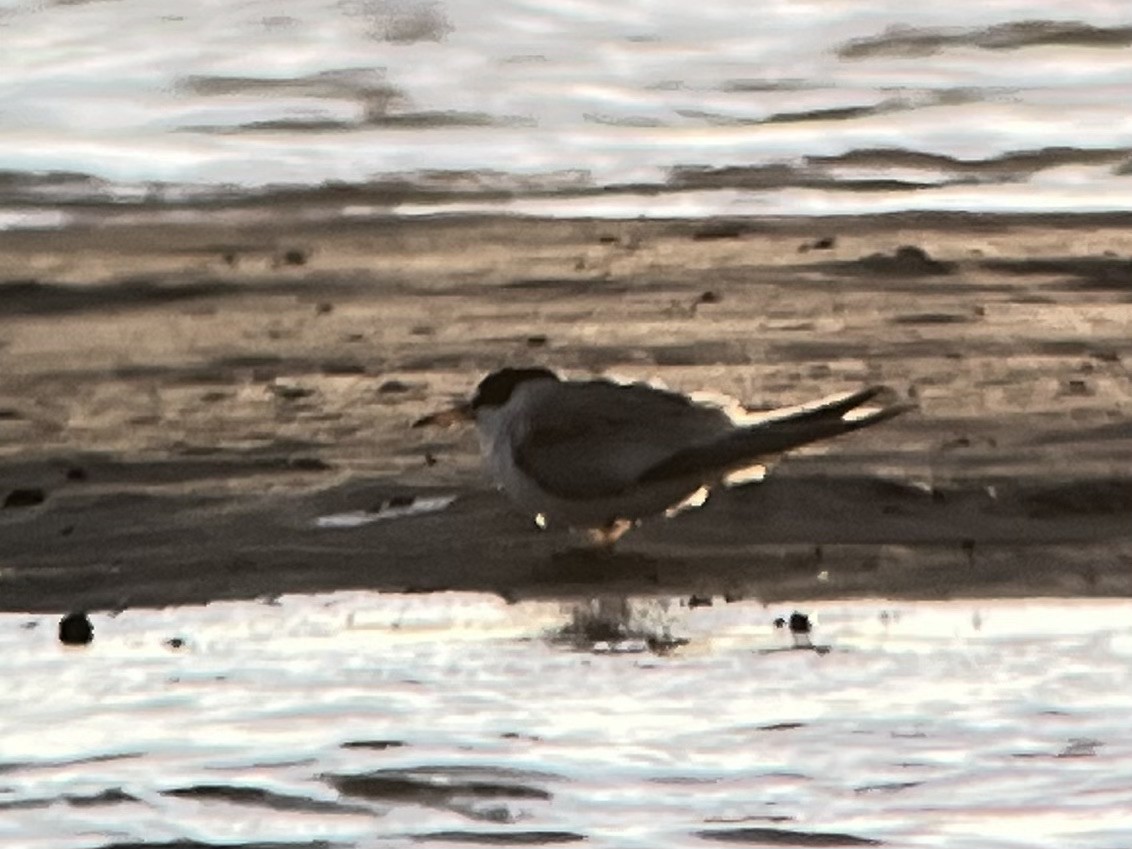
(597, 566)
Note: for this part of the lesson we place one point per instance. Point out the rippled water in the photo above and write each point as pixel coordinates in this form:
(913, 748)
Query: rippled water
(648, 107)
(364, 720)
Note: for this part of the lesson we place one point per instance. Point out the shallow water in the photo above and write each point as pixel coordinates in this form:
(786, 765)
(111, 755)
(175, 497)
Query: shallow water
(358, 719)
(652, 108)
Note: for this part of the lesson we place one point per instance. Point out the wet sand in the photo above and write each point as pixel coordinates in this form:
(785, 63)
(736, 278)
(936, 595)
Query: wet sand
(180, 402)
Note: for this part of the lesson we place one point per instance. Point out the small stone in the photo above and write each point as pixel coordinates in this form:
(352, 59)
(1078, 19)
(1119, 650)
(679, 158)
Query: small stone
(24, 497)
(393, 387)
(295, 257)
(76, 473)
(699, 601)
(397, 501)
(289, 393)
(799, 623)
(1076, 387)
(75, 630)
(175, 643)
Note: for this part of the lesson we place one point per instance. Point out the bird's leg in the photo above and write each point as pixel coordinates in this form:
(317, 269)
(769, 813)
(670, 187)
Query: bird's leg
(605, 536)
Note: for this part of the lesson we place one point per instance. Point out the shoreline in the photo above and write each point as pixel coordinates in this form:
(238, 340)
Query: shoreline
(188, 398)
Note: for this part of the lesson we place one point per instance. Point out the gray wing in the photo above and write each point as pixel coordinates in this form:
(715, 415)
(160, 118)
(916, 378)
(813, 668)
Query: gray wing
(588, 440)
(743, 446)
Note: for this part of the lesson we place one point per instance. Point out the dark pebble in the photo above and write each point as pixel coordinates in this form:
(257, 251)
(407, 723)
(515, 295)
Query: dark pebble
(1076, 387)
(75, 630)
(799, 623)
(397, 501)
(536, 341)
(295, 257)
(175, 643)
(27, 497)
(76, 473)
(709, 297)
(290, 393)
(323, 308)
(391, 387)
(699, 601)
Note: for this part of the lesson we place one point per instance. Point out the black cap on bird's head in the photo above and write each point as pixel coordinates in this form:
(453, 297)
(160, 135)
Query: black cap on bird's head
(493, 392)
(496, 389)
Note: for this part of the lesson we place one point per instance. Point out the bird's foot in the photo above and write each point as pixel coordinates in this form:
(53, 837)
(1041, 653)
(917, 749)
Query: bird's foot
(606, 536)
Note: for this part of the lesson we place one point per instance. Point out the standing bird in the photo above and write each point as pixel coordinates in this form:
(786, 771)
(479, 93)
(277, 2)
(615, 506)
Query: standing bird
(599, 456)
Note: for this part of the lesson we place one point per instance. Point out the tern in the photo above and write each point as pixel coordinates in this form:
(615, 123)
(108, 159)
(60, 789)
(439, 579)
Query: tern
(599, 456)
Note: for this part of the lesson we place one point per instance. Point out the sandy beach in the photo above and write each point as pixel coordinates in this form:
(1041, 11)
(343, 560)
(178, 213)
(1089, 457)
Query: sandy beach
(180, 403)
